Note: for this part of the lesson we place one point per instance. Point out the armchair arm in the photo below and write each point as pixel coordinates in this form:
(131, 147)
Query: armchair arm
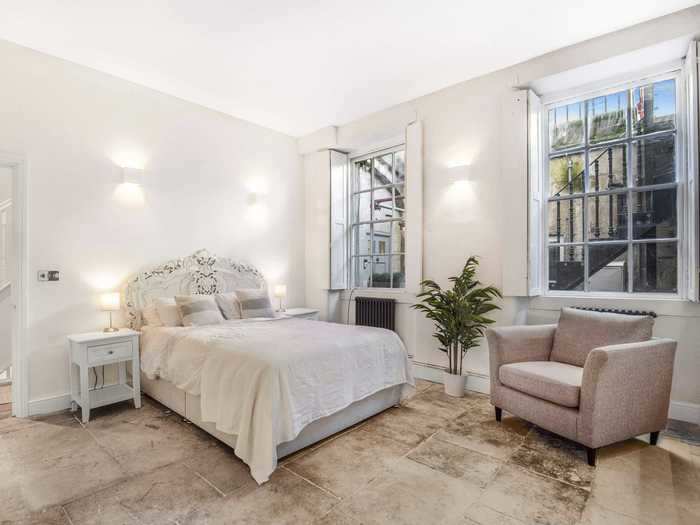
(514, 344)
(625, 391)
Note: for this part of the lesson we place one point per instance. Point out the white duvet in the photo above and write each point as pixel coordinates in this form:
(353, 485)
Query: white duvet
(265, 380)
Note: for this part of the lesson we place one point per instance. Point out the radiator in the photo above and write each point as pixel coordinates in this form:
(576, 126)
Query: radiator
(375, 311)
(615, 311)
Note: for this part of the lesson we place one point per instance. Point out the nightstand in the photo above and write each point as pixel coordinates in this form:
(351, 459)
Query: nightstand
(97, 349)
(302, 313)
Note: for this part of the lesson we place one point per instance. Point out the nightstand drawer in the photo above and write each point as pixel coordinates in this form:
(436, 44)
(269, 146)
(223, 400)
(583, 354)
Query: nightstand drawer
(103, 353)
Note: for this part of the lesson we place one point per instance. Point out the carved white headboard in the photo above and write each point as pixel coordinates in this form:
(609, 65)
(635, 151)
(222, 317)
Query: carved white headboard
(199, 273)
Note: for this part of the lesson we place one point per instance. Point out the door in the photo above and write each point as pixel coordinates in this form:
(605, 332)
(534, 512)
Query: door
(6, 288)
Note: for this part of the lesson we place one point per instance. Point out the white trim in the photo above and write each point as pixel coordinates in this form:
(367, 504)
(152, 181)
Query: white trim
(684, 411)
(20, 390)
(476, 382)
(49, 405)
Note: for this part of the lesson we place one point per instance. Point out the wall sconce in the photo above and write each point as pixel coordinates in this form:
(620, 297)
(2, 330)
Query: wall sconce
(130, 192)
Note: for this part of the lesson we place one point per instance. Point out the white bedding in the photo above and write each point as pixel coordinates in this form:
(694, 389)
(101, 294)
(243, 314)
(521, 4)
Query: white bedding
(265, 380)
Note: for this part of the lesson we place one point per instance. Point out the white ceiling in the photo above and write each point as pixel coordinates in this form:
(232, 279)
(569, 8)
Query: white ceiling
(296, 66)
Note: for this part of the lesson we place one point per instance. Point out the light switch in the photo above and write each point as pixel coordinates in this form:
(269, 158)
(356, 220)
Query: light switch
(47, 275)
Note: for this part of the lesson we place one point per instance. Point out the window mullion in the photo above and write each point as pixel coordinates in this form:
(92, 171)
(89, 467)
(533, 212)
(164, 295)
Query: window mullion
(586, 189)
(628, 179)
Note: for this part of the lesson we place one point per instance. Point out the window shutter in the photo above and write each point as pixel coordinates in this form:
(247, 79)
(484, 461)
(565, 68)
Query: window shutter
(535, 138)
(414, 206)
(338, 222)
(690, 75)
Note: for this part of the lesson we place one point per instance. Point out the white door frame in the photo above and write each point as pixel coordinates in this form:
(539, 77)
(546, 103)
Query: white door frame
(20, 391)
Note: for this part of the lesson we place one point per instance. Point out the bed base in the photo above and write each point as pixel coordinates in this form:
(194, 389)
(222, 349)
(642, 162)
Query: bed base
(188, 406)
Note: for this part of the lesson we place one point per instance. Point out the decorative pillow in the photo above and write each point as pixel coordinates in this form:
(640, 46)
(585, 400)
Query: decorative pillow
(198, 310)
(580, 331)
(229, 305)
(149, 316)
(255, 303)
(167, 311)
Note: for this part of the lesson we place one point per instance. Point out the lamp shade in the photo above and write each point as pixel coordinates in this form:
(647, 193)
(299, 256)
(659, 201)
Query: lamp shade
(281, 290)
(110, 301)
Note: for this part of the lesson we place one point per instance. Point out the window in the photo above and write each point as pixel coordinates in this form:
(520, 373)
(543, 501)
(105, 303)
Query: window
(378, 219)
(613, 194)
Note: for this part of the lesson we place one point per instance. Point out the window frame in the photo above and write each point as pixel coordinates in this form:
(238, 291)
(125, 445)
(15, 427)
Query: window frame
(352, 162)
(680, 185)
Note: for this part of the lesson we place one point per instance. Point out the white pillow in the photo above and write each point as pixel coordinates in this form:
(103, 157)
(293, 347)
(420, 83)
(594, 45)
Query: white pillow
(198, 310)
(255, 303)
(149, 316)
(167, 311)
(229, 304)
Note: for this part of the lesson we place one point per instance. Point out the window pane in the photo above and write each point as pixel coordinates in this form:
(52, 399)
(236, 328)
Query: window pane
(607, 168)
(382, 169)
(361, 207)
(362, 240)
(654, 214)
(566, 268)
(655, 267)
(607, 217)
(382, 204)
(607, 117)
(607, 268)
(566, 220)
(654, 107)
(382, 237)
(566, 175)
(400, 167)
(399, 202)
(566, 126)
(361, 268)
(380, 272)
(398, 237)
(653, 161)
(363, 177)
(398, 271)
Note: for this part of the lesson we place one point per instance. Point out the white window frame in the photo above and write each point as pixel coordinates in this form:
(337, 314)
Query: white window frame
(602, 89)
(352, 160)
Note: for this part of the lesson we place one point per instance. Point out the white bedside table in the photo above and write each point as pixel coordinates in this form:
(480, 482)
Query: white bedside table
(302, 313)
(103, 348)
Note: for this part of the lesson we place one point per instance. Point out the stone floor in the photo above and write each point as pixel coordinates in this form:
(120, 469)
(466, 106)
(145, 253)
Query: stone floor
(433, 460)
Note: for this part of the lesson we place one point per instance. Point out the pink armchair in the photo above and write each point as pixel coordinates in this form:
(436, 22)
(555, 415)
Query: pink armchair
(595, 378)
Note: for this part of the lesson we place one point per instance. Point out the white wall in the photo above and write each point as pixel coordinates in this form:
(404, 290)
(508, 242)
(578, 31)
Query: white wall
(462, 125)
(71, 123)
(5, 183)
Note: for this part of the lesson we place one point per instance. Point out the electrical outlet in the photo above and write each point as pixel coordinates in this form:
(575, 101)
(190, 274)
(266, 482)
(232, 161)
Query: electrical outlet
(47, 275)
(53, 275)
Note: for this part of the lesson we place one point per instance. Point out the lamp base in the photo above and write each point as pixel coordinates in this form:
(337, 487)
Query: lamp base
(110, 329)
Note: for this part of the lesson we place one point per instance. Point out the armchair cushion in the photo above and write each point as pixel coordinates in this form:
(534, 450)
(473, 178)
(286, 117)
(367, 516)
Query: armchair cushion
(559, 383)
(579, 332)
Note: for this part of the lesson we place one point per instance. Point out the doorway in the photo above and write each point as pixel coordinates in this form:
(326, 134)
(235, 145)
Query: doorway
(13, 398)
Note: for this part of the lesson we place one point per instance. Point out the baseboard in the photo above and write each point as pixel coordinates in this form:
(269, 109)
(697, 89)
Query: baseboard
(476, 382)
(48, 405)
(684, 411)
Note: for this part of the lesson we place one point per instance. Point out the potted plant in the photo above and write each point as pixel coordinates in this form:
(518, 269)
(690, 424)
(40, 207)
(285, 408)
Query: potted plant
(460, 317)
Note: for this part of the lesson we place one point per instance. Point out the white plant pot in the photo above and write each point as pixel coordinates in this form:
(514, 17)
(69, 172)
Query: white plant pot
(454, 384)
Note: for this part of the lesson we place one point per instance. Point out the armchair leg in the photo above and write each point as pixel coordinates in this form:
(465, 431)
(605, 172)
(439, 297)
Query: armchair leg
(653, 438)
(498, 413)
(591, 452)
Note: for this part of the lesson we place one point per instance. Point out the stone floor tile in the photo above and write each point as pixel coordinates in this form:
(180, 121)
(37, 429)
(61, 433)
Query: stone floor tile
(348, 463)
(404, 424)
(285, 499)
(221, 467)
(456, 461)
(423, 384)
(651, 484)
(490, 437)
(594, 514)
(411, 493)
(165, 495)
(532, 498)
(144, 439)
(480, 514)
(556, 457)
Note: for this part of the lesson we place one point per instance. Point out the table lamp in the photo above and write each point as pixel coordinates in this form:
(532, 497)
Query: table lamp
(110, 302)
(280, 293)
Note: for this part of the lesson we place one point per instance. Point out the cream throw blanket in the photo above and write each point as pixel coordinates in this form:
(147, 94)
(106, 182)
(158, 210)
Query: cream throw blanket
(265, 380)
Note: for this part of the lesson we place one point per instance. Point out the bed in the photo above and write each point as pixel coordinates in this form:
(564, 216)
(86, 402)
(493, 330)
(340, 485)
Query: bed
(266, 387)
